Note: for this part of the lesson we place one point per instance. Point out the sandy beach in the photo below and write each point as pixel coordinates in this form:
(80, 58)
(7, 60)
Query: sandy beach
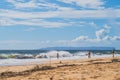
(82, 69)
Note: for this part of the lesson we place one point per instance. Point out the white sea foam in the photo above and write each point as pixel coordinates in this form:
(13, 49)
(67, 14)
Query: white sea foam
(22, 59)
(3, 56)
(53, 54)
(15, 62)
(25, 56)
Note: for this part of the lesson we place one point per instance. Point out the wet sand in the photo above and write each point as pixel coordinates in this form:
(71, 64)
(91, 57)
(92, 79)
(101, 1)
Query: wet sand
(83, 69)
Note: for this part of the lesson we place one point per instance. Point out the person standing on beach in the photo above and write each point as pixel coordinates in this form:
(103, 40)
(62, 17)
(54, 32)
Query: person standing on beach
(113, 52)
(57, 55)
(89, 54)
(58, 58)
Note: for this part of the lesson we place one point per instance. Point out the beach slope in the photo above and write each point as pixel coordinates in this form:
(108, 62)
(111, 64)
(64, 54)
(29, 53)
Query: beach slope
(90, 69)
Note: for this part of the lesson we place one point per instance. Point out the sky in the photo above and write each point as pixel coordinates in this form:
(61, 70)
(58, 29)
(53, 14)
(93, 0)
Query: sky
(34, 24)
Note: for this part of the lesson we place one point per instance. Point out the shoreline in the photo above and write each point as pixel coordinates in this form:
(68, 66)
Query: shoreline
(22, 62)
(57, 61)
(15, 72)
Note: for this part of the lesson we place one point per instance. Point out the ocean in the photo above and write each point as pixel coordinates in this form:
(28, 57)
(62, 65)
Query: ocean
(23, 57)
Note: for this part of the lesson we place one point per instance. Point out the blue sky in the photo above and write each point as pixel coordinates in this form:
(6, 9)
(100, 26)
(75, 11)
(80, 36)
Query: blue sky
(33, 24)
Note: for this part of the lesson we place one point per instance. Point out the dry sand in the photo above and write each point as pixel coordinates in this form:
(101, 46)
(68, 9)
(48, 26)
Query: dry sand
(91, 69)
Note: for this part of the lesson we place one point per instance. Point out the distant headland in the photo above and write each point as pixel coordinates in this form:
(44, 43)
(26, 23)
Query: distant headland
(78, 48)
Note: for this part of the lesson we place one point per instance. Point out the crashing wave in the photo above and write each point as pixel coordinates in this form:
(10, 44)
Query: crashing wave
(54, 54)
(24, 56)
(49, 54)
(3, 56)
(16, 56)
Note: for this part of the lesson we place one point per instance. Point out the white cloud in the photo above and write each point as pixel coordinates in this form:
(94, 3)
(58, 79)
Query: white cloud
(38, 22)
(80, 38)
(113, 38)
(61, 14)
(94, 4)
(18, 4)
(107, 27)
(6, 22)
(43, 23)
(64, 8)
(26, 15)
(116, 38)
(90, 3)
(32, 4)
(101, 35)
(67, 1)
(106, 37)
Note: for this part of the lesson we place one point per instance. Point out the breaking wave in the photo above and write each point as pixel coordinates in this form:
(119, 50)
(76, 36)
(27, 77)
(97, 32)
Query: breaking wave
(49, 54)
(22, 59)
